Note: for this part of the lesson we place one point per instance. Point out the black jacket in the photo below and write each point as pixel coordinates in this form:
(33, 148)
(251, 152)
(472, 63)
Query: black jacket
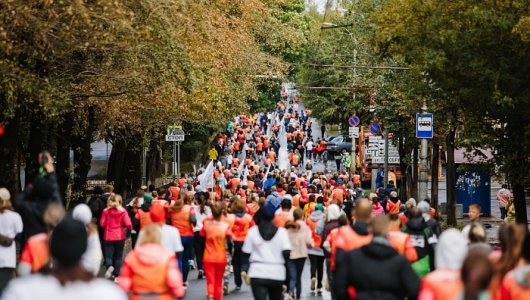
(375, 271)
(32, 203)
(422, 236)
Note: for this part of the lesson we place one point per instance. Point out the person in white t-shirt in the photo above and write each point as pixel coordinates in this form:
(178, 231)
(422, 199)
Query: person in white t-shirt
(269, 248)
(309, 148)
(202, 211)
(10, 226)
(67, 279)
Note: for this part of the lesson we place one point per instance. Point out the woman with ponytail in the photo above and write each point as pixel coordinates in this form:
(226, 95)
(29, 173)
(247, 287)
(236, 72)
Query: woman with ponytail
(182, 216)
(202, 211)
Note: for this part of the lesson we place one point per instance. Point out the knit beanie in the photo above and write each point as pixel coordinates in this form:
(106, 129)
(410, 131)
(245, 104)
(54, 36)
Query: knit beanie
(424, 207)
(333, 212)
(68, 242)
(158, 214)
(267, 211)
(82, 213)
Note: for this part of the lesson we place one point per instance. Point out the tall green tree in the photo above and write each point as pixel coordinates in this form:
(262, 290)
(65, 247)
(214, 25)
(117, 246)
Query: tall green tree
(473, 52)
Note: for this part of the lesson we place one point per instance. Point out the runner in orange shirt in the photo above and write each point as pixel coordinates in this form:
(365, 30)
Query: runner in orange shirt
(272, 156)
(281, 217)
(215, 232)
(243, 222)
(182, 215)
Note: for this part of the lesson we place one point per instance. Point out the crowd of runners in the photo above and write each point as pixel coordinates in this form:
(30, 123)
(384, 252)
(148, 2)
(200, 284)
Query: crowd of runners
(255, 214)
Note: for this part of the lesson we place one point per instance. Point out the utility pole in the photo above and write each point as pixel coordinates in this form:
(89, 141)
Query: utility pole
(178, 159)
(353, 157)
(385, 179)
(174, 160)
(144, 164)
(423, 178)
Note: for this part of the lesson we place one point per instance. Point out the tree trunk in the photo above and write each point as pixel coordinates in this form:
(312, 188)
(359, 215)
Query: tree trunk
(35, 145)
(82, 160)
(116, 168)
(517, 164)
(154, 159)
(133, 170)
(63, 157)
(9, 171)
(451, 177)
(435, 174)
(403, 167)
(415, 175)
(519, 202)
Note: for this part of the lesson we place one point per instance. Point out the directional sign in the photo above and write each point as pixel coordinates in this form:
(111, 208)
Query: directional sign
(353, 132)
(174, 134)
(375, 151)
(424, 126)
(354, 121)
(375, 128)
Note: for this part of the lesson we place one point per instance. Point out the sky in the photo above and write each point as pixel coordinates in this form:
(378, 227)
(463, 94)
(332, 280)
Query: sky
(319, 3)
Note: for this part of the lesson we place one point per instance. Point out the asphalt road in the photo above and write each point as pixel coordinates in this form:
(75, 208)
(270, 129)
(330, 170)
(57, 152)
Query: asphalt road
(197, 288)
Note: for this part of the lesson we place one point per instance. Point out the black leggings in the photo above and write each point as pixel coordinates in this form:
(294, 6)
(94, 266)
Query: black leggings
(317, 268)
(261, 288)
(198, 245)
(240, 262)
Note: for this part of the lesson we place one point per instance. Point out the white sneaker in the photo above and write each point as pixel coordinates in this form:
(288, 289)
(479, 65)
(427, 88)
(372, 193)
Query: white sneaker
(108, 273)
(313, 283)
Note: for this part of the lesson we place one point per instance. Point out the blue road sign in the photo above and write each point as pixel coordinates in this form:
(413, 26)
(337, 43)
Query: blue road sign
(354, 121)
(375, 128)
(424, 126)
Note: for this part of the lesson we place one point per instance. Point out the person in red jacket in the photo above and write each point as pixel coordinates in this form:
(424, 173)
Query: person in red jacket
(113, 219)
(215, 232)
(240, 229)
(151, 271)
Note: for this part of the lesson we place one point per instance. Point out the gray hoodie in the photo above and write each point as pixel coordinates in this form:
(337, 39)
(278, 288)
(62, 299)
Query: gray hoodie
(451, 250)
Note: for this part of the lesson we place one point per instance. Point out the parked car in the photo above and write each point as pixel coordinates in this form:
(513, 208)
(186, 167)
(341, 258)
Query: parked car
(337, 144)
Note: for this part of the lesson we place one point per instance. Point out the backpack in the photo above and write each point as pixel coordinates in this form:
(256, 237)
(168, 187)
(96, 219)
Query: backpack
(97, 204)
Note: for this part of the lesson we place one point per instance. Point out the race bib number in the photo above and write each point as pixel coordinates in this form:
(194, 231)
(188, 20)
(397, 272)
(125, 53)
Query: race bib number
(418, 241)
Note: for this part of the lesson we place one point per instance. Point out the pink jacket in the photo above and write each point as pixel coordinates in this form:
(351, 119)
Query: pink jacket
(377, 209)
(113, 220)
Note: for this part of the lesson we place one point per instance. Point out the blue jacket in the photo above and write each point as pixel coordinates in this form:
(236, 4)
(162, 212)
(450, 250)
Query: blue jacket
(268, 183)
(275, 199)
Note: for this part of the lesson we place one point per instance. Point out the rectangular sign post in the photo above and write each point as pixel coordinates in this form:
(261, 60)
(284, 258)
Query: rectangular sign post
(175, 134)
(424, 131)
(354, 132)
(424, 126)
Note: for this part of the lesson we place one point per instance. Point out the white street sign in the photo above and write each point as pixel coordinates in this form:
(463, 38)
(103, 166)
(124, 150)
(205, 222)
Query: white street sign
(354, 132)
(175, 138)
(376, 151)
